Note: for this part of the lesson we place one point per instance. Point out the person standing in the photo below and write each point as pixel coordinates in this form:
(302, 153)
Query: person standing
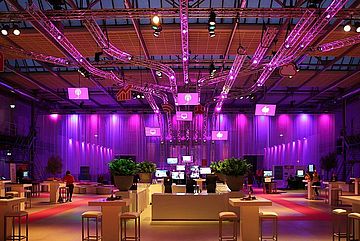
(316, 182)
(69, 180)
(168, 183)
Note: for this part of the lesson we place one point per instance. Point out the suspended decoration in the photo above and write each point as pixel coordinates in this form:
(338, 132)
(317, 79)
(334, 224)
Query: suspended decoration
(124, 93)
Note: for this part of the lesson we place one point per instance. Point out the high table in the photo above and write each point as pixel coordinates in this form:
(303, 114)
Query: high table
(333, 196)
(110, 217)
(310, 191)
(2, 187)
(54, 190)
(20, 188)
(356, 180)
(7, 205)
(249, 216)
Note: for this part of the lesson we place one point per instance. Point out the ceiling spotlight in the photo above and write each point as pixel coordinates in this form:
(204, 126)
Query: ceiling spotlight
(155, 20)
(12, 106)
(157, 31)
(211, 24)
(5, 30)
(16, 30)
(212, 18)
(138, 96)
(347, 28)
(357, 27)
(97, 56)
(84, 72)
(158, 73)
(212, 69)
(57, 4)
(142, 97)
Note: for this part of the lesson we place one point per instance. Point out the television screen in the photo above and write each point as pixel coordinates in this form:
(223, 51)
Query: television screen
(219, 135)
(311, 168)
(264, 109)
(180, 167)
(205, 170)
(160, 173)
(26, 173)
(195, 172)
(172, 160)
(152, 131)
(300, 173)
(268, 174)
(188, 98)
(184, 115)
(178, 175)
(78, 93)
(187, 158)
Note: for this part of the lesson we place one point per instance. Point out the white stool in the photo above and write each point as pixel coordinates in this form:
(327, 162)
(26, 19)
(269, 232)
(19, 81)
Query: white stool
(16, 236)
(339, 223)
(353, 218)
(269, 216)
(231, 217)
(86, 217)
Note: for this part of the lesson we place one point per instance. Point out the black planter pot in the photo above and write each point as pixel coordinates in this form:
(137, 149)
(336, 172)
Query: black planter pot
(235, 183)
(123, 183)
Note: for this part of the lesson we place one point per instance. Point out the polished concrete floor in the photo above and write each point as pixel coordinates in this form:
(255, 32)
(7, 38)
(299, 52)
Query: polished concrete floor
(300, 219)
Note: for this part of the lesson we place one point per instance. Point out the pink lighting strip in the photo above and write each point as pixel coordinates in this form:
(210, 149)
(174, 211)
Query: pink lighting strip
(36, 56)
(51, 29)
(185, 38)
(110, 49)
(230, 79)
(264, 45)
(340, 43)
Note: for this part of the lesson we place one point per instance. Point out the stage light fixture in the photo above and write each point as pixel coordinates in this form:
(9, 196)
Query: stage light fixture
(212, 69)
(157, 31)
(16, 30)
(57, 4)
(347, 27)
(212, 24)
(84, 72)
(357, 27)
(12, 106)
(5, 30)
(97, 56)
(212, 18)
(158, 73)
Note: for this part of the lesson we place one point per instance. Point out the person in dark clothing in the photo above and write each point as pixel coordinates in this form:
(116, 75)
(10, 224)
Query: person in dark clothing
(211, 183)
(190, 185)
(168, 183)
(20, 175)
(250, 181)
(69, 180)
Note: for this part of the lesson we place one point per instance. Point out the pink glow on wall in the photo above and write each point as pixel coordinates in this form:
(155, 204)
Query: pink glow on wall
(54, 117)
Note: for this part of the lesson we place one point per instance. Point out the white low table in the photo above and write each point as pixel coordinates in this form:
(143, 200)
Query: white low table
(110, 217)
(249, 217)
(6, 205)
(356, 181)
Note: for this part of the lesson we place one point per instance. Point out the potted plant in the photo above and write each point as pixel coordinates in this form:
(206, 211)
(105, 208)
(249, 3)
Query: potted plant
(54, 166)
(123, 171)
(234, 170)
(145, 170)
(216, 168)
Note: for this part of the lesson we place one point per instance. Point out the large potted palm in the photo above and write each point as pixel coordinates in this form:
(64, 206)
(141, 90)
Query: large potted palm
(145, 169)
(123, 171)
(234, 170)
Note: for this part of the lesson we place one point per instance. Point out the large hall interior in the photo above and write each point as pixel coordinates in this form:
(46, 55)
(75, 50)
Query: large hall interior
(180, 120)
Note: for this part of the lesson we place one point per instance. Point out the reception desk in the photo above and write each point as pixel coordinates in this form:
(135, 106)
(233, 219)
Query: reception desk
(188, 206)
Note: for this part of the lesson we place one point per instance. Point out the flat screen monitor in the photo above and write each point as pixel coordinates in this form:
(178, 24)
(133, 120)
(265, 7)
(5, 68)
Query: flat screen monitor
(219, 135)
(187, 159)
(194, 172)
(78, 93)
(265, 109)
(152, 131)
(184, 115)
(180, 167)
(178, 175)
(205, 170)
(300, 173)
(160, 173)
(172, 160)
(268, 173)
(188, 98)
(311, 168)
(26, 174)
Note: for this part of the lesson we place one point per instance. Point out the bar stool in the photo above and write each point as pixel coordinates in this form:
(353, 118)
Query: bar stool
(87, 217)
(35, 189)
(351, 226)
(124, 217)
(12, 193)
(63, 194)
(18, 235)
(339, 216)
(326, 194)
(28, 198)
(269, 216)
(338, 193)
(231, 217)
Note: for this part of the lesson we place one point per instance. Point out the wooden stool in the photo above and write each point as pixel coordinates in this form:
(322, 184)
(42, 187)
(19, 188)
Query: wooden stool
(128, 216)
(269, 216)
(351, 226)
(35, 189)
(231, 217)
(12, 193)
(28, 198)
(338, 193)
(86, 217)
(326, 193)
(63, 194)
(16, 236)
(339, 222)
